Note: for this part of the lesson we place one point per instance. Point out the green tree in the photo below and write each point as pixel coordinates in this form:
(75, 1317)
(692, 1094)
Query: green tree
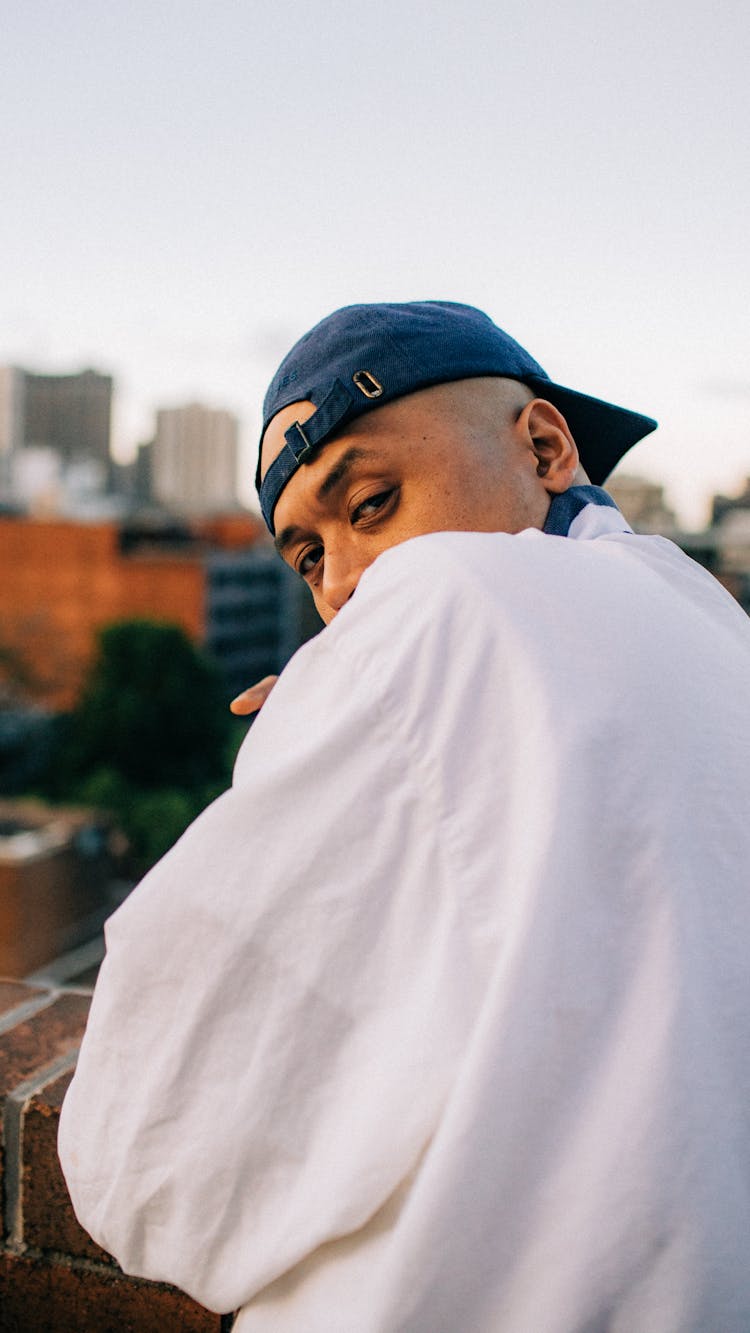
(151, 740)
(153, 710)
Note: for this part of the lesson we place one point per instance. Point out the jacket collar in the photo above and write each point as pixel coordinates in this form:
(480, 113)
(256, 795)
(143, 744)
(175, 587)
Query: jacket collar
(584, 511)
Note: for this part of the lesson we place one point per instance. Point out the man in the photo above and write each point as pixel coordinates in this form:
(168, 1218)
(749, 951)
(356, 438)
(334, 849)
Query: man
(438, 1020)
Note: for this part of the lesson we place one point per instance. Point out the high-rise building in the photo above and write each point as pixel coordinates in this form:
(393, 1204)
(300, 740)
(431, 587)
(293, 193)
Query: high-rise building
(11, 421)
(70, 414)
(194, 459)
(67, 416)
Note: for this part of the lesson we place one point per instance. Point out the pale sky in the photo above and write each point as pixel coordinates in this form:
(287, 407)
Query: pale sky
(189, 186)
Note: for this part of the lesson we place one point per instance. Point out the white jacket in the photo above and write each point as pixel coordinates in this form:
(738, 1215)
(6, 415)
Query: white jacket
(439, 1019)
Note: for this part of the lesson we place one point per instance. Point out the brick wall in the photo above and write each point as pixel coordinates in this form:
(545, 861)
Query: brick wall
(53, 1278)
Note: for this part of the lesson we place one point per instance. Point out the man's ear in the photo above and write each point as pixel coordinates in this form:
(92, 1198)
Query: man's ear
(552, 444)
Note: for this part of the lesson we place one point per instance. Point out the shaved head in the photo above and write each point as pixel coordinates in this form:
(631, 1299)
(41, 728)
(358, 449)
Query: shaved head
(474, 408)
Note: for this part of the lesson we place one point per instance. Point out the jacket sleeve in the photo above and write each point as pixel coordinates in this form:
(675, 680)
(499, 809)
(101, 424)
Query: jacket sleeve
(280, 1007)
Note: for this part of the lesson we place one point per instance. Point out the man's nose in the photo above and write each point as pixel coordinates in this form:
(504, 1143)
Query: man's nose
(341, 574)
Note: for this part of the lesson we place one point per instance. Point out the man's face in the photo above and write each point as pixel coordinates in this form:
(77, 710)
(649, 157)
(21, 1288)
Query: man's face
(456, 457)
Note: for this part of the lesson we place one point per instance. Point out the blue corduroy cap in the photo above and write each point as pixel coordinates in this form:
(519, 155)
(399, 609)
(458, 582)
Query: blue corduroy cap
(363, 356)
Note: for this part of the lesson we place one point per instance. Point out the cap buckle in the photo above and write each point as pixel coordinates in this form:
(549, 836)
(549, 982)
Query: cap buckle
(367, 383)
(307, 449)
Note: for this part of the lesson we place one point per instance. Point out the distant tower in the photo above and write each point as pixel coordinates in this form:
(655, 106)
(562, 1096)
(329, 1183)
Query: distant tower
(642, 502)
(70, 414)
(11, 421)
(194, 458)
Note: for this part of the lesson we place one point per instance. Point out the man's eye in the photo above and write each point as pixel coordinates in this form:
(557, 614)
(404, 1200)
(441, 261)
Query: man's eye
(372, 505)
(308, 560)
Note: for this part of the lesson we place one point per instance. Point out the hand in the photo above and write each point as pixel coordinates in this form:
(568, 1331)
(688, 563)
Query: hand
(254, 698)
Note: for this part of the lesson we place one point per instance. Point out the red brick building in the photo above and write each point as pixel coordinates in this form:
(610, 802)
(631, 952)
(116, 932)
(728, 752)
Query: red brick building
(62, 581)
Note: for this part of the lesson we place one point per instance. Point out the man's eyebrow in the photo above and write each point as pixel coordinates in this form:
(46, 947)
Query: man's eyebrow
(339, 470)
(329, 483)
(286, 537)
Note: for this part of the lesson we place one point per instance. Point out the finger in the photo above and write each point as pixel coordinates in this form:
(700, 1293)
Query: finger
(253, 698)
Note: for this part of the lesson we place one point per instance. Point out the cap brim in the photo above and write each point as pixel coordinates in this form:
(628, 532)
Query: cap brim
(602, 431)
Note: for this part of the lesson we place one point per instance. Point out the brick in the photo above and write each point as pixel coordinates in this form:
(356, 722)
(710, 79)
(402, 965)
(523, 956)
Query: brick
(34, 1043)
(49, 1222)
(14, 993)
(26, 1048)
(37, 1296)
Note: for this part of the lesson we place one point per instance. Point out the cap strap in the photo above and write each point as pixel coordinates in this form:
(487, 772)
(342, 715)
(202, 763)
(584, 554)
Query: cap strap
(301, 444)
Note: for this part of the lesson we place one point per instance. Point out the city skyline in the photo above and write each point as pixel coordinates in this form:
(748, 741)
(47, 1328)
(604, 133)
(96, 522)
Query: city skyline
(202, 472)
(195, 186)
